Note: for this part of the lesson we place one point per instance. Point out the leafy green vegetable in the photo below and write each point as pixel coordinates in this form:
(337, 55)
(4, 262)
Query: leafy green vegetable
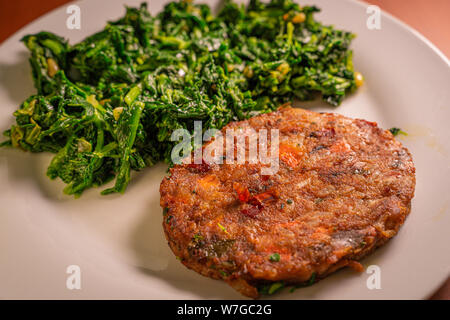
(109, 104)
(397, 131)
(271, 288)
(307, 284)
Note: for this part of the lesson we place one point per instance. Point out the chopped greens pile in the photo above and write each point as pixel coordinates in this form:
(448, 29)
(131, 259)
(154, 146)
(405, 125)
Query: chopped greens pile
(109, 104)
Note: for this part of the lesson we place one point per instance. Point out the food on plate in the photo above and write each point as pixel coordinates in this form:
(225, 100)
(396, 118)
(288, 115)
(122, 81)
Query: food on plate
(109, 104)
(343, 188)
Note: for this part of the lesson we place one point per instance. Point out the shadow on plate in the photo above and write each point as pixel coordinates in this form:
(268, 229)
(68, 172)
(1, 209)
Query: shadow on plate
(16, 78)
(26, 168)
(154, 258)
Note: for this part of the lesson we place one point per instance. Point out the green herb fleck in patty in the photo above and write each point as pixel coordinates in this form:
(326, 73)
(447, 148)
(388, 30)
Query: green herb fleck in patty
(275, 257)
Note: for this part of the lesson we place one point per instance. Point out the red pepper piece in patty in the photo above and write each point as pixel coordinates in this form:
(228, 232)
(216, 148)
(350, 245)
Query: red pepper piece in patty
(252, 205)
(261, 198)
(242, 192)
(250, 211)
(200, 167)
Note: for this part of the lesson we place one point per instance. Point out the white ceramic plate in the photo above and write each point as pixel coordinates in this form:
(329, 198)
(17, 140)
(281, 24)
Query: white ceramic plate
(118, 240)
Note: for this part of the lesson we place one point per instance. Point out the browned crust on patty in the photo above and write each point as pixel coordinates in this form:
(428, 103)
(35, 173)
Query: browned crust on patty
(343, 188)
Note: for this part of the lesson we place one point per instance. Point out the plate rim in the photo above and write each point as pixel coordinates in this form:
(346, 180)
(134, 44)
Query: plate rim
(399, 23)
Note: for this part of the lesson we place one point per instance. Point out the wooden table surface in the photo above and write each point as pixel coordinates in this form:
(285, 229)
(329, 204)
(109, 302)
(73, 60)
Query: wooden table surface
(429, 17)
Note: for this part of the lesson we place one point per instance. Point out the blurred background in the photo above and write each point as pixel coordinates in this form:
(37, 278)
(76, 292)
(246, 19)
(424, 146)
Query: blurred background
(429, 17)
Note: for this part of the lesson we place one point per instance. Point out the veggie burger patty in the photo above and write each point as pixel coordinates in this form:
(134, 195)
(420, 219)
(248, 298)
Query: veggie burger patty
(344, 187)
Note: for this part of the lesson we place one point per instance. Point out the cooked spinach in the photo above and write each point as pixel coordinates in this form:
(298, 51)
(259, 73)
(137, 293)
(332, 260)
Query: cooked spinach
(108, 105)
